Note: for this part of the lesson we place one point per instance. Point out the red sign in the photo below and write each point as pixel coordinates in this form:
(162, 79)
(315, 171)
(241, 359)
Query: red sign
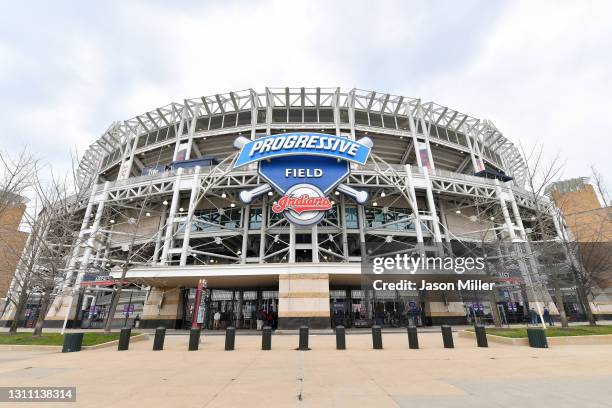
(302, 204)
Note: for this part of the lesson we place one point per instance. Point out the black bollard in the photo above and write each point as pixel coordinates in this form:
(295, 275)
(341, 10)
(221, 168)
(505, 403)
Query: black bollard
(481, 335)
(124, 339)
(230, 338)
(376, 338)
(158, 341)
(340, 338)
(413, 337)
(266, 338)
(194, 339)
(72, 342)
(447, 336)
(303, 339)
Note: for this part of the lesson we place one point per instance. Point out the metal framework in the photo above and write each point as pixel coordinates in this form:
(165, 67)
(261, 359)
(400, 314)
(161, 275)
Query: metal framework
(422, 167)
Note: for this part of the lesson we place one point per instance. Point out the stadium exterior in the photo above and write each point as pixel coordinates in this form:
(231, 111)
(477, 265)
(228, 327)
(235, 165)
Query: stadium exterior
(165, 184)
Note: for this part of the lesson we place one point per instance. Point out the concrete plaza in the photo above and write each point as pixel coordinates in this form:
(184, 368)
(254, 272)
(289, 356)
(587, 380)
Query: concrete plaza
(466, 376)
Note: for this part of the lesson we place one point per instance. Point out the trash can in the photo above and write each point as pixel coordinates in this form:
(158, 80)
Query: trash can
(72, 342)
(537, 337)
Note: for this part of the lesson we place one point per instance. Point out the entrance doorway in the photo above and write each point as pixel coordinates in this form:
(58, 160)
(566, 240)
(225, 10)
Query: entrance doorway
(235, 308)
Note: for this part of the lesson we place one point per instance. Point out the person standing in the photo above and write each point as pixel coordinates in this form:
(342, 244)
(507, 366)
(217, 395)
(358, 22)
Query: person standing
(260, 319)
(547, 317)
(217, 320)
(533, 316)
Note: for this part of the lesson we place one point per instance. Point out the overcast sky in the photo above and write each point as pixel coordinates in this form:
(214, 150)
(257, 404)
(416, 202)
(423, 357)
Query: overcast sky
(539, 70)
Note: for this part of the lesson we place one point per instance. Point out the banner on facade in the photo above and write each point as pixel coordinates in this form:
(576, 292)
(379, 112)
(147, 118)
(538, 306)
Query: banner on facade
(303, 168)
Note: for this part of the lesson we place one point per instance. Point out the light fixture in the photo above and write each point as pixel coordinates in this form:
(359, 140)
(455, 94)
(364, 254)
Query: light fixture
(270, 194)
(165, 202)
(332, 202)
(232, 205)
(533, 218)
(148, 214)
(223, 195)
(492, 218)
(458, 212)
(383, 194)
(112, 221)
(238, 252)
(337, 193)
(375, 204)
(181, 209)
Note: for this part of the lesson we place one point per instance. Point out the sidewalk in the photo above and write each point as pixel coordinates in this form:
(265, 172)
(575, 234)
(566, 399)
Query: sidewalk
(466, 376)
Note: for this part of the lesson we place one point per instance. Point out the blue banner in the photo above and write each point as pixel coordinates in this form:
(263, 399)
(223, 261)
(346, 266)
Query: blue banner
(287, 144)
(320, 171)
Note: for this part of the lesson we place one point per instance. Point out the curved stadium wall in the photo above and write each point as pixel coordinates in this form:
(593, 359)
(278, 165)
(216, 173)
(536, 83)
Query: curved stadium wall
(163, 183)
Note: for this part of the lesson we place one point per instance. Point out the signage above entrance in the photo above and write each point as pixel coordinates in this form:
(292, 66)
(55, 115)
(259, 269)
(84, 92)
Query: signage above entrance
(304, 168)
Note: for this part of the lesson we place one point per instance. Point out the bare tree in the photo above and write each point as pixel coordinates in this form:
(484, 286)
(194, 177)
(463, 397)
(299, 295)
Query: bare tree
(540, 174)
(600, 186)
(16, 177)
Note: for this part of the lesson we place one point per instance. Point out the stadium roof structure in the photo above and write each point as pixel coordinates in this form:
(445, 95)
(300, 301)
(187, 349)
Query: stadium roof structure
(483, 135)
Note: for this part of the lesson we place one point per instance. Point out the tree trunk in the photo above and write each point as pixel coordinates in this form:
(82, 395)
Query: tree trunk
(114, 302)
(44, 308)
(21, 301)
(494, 310)
(559, 301)
(583, 298)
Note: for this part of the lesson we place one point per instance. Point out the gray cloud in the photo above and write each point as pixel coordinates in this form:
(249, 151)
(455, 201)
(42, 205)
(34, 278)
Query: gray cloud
(538, 70)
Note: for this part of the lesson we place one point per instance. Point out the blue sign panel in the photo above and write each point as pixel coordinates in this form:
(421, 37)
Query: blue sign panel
(288, 144)
(320, 171)
(304, 168)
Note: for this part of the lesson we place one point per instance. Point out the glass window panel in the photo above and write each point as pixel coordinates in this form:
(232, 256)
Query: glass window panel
(375, 119)
(279, 115)
(326, 115)
(216, 122)
(229, 120)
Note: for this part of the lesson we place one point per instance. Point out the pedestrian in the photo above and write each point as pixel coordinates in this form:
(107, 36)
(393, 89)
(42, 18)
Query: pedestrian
(260, 319)
(547, 317)
(533, 316)
(217, 320)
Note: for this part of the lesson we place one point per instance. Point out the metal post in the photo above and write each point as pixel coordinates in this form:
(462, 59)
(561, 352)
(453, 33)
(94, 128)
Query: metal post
(447, 336)
(413, 337)
(158, 341)
(124, 339)
(230, 338)
(481, 335)
(266, 338)
(190, 210)
(303, 345)
(340, 338)
(196, 305)
(377, 338)
(194, 338)
(170, 220)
